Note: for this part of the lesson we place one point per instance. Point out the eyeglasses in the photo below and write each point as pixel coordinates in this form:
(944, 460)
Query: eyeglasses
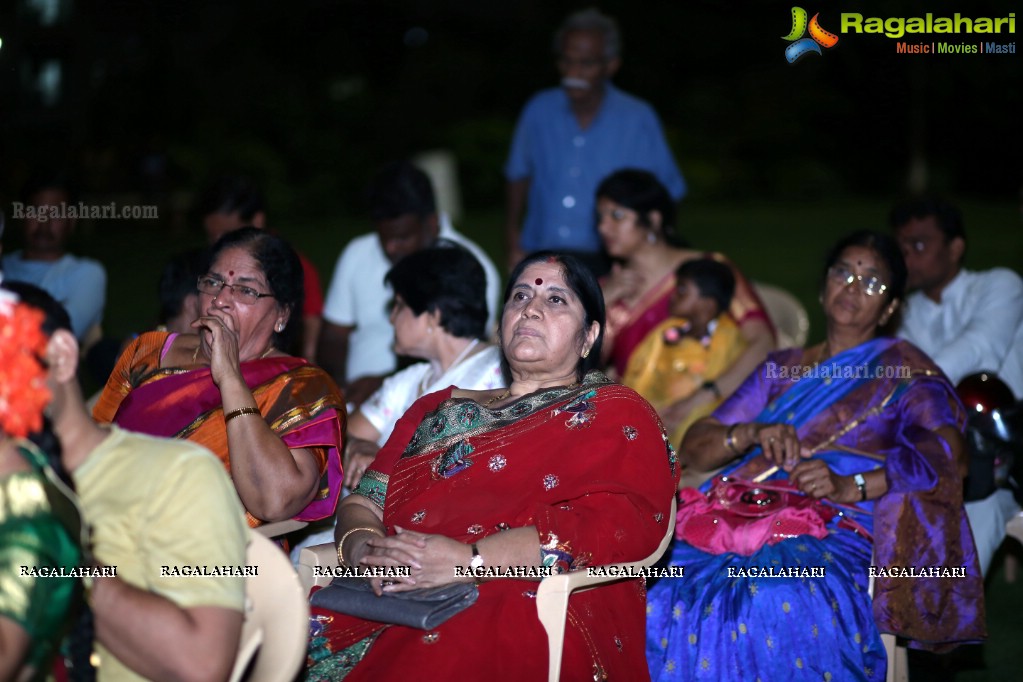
(243, 294)
(617, 214)
(871, 285)
(915, 245)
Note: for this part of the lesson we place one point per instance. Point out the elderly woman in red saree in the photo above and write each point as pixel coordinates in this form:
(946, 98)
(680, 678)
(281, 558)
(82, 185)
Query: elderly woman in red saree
(274, 420)
(636, 221)
(563, 469)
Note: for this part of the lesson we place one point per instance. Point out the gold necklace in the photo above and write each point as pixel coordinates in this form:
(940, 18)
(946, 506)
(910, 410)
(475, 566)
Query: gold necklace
(508, 393)
(497, 397)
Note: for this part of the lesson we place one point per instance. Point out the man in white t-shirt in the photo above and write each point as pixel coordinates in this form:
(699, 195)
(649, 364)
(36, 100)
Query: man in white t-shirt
(967, 321)
(355, 342)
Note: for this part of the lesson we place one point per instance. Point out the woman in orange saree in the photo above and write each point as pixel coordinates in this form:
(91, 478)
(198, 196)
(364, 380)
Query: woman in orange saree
(274, 420)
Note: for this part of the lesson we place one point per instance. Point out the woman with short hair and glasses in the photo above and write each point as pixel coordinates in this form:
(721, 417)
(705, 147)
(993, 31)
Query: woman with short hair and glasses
(439, 316)
(867, 425)
(274, 420)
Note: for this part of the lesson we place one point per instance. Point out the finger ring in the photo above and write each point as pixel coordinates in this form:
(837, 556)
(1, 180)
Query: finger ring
(813, 487)
(771, 439)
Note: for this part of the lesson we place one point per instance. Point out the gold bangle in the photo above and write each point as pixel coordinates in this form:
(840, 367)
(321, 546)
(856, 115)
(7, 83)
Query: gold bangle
(240, 411)
(730, 439)
(341, 543)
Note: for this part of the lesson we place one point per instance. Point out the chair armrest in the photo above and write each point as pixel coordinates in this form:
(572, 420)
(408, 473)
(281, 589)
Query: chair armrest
(553, 593)
(581, 580)
(1014, 527)
(309, 558)
(277, 528)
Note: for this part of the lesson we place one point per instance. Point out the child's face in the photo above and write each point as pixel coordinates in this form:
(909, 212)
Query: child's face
(685, 299)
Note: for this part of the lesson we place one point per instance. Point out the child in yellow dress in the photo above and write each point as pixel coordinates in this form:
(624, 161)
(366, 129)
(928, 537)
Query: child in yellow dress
(694, 346)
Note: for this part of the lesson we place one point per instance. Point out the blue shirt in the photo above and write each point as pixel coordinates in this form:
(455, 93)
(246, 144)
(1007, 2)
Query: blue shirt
(79, 284)
(565, 163)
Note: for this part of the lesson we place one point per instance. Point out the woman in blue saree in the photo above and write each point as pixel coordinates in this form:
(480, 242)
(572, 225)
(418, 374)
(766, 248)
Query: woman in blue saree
(868, 425)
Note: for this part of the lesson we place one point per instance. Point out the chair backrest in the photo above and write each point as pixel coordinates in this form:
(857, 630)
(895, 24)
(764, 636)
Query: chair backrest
(1014, 527)
(276, 628)
(553, 594)
(787, 313)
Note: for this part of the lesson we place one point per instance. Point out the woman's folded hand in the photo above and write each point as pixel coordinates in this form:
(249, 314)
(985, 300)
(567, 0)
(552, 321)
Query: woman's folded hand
(780, 444)
(816, 479)
(430, 558)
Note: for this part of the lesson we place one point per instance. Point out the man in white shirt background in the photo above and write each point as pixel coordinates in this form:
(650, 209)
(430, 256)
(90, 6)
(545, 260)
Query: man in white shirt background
(356, 340)
(967, 321)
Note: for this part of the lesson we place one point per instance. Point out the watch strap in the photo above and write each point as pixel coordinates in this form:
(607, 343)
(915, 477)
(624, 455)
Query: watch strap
(477, 558)
(712, 387)
(861, 484)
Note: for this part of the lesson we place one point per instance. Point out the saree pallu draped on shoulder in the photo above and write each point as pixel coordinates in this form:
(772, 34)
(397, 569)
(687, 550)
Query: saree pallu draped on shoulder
(628, 325)
(587, 466)
(875, 406)
(299, 402)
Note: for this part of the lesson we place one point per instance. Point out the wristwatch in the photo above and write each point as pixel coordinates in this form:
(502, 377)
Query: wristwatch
(477, 558)
(861, 484)
(712, 387)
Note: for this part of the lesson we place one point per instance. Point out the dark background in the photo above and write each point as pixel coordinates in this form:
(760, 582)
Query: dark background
(157, 96)
(309, 97)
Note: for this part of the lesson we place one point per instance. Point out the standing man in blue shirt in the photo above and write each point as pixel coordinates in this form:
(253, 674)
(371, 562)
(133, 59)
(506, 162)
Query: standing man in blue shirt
(569, 138)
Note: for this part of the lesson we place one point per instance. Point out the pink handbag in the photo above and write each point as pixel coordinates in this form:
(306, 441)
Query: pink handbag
(741, 516)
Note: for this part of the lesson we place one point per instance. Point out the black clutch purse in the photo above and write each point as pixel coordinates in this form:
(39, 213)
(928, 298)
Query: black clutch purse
(424, 608)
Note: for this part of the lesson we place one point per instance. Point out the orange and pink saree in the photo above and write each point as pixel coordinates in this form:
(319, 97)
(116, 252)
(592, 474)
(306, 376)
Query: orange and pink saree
(299, 402)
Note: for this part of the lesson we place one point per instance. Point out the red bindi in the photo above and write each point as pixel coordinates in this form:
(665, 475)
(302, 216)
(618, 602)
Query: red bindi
(230, 273)
(539, 281)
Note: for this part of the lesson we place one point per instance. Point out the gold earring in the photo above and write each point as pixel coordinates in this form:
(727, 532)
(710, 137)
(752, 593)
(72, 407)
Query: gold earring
(586, 353)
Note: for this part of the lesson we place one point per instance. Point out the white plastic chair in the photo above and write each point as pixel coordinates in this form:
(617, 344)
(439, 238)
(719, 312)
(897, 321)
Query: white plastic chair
(316, 556)
(553, 594)
(1014, 528)
(898, 656)
(278, 528)
(275, 631)
(786, 312)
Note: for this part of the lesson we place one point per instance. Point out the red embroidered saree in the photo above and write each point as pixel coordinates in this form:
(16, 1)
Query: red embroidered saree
(299, 401)
(588, 466)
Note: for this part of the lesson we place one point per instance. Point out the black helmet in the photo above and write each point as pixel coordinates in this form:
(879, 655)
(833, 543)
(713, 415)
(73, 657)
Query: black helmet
(994, 435)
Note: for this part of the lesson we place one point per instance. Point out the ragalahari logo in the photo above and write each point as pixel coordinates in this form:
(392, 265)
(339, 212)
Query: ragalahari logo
(801, 46)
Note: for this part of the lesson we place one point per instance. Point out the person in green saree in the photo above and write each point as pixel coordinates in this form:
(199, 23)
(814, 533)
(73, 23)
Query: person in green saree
(40, 527)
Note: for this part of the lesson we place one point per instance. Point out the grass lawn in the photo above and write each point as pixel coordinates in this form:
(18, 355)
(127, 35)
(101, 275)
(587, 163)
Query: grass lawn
(778, 243)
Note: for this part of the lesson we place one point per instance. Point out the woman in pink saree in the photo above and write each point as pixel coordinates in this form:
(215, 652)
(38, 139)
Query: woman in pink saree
(637, 225)
(274, 420)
